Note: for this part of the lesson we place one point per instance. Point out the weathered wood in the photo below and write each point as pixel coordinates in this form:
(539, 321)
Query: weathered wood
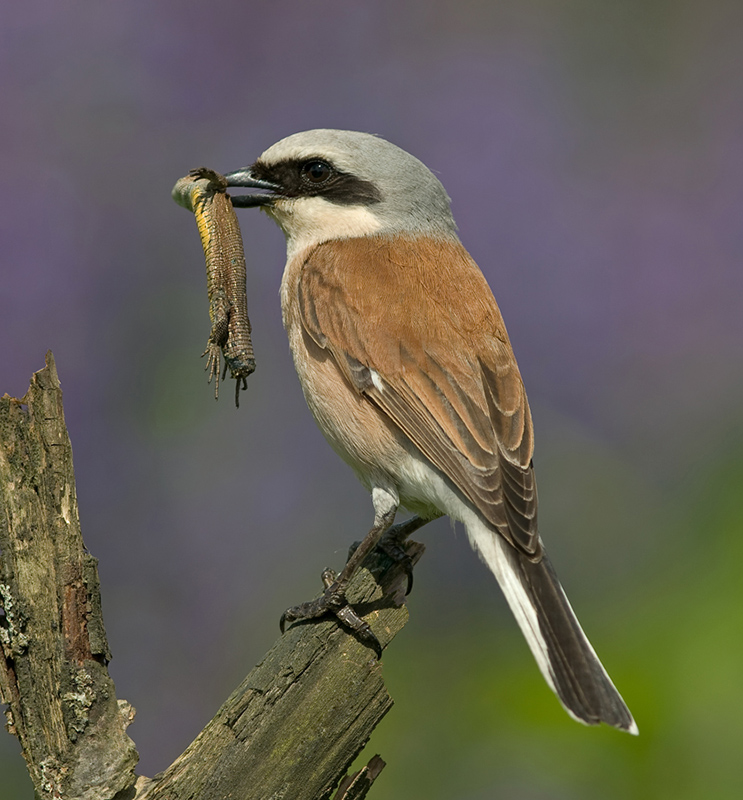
(296, 723)
(53, 649)
(356, 786)
(290, 730)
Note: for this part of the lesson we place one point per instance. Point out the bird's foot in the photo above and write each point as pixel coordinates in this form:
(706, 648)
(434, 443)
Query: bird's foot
(333, 601)
(392, 545)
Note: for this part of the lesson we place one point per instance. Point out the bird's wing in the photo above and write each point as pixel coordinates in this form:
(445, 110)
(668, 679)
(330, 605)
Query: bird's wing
(414, 327)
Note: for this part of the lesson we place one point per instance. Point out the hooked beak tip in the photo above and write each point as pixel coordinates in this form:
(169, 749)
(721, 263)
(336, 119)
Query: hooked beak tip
(244, 179)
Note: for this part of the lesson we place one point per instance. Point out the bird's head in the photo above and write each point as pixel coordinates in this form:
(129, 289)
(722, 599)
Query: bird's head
(324, 184)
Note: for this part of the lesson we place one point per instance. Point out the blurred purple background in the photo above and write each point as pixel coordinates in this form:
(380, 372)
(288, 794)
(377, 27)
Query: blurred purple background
(594, 155)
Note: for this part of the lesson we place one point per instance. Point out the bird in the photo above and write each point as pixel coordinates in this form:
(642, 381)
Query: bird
(407, 368)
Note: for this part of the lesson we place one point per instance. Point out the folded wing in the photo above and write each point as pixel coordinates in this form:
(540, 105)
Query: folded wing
(416, 330)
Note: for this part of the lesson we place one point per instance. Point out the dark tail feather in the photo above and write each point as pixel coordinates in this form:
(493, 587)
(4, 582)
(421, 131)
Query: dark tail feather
(564, 654)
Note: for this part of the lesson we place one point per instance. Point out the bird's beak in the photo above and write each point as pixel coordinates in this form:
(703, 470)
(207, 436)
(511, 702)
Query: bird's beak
(243, 179)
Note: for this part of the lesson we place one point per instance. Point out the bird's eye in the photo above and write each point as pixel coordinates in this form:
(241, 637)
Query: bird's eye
(316, 171)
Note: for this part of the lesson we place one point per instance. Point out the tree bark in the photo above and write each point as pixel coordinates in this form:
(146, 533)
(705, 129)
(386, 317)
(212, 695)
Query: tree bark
(290, 730)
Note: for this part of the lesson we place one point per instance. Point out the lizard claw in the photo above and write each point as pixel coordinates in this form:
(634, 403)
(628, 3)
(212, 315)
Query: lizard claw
(212, 352)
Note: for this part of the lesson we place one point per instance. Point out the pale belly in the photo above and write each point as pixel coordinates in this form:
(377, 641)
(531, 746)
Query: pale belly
(376, 450)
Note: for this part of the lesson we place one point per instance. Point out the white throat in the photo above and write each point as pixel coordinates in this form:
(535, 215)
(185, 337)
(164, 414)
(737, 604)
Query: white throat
(308, 221)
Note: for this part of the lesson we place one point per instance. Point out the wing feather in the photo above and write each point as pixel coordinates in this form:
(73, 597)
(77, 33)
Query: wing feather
(415, 329)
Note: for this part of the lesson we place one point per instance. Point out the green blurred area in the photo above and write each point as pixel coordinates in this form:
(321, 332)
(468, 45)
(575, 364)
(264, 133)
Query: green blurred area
(473, 718)
(14, 781)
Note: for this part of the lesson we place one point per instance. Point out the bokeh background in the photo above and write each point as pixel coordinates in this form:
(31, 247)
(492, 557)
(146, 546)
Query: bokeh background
(593, 150)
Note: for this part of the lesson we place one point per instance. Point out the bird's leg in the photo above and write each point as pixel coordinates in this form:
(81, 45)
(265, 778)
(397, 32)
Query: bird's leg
(333, 600)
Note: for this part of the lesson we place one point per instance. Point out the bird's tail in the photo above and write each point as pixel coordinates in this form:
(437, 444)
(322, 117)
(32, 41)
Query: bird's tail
(564, 655)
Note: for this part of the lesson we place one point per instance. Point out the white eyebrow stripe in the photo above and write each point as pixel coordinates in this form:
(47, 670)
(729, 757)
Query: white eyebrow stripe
(293, 152)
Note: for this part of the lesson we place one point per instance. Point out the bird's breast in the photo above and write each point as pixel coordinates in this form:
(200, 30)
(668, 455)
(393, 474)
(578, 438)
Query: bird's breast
(354, 428)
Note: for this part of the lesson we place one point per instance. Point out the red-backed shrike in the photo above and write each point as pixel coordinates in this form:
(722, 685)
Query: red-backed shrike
(406, 365)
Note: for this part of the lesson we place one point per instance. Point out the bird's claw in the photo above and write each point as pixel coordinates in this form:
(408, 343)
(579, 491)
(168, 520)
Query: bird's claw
(333, 601)
(391, 544)
(392, 547)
